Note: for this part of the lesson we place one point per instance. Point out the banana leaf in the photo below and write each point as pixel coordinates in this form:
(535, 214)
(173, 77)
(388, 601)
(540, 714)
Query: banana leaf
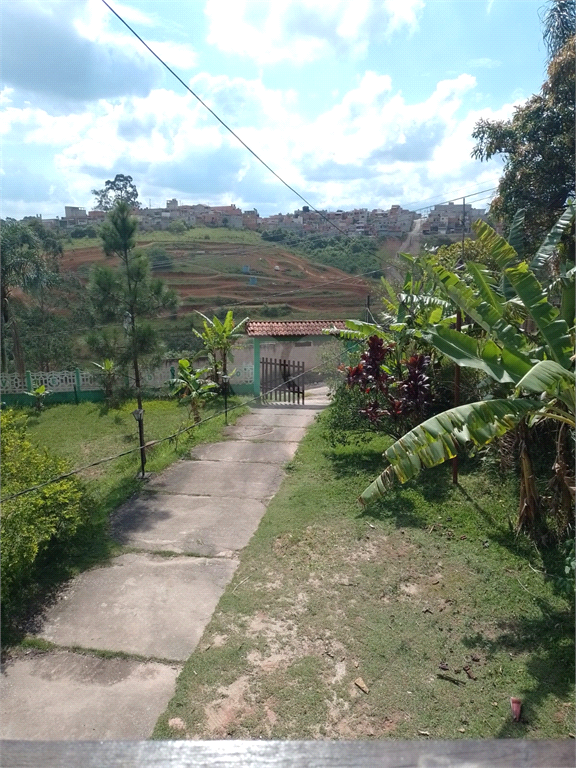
(488, 315)
(553, 328)
(468, 352)
(516, 234)
(548, 247)
(549, 377)
(440, 438)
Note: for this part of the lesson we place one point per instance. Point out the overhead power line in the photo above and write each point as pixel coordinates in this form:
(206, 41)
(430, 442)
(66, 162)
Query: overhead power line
(451, 196)
(233, 133)
(445, 202)
(227, 127)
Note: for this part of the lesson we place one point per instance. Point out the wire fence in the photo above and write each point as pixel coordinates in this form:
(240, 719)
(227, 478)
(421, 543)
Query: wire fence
(150, 444)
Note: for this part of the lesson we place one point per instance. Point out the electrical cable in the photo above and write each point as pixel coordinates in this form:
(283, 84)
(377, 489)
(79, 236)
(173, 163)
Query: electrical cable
(152, 443)
(273, 172)
(271, 296)
(453, 196)
(252, 152)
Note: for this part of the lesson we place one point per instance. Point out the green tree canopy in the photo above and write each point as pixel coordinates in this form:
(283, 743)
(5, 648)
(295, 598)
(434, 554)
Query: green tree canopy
(537, 143)
(119, 189)
(129, 294)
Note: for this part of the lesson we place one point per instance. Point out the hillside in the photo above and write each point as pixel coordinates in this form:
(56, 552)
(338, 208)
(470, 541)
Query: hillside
(238, 267)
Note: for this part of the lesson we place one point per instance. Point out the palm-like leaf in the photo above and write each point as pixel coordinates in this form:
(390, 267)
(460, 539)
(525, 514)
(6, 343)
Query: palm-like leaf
(503, 365)
(548, 248)
(488, 314)
(516, 234)
(440, 438)
(549, 377)
(553, 328)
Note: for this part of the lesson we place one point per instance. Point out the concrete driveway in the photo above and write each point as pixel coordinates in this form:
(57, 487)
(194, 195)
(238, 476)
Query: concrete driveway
(123, 630)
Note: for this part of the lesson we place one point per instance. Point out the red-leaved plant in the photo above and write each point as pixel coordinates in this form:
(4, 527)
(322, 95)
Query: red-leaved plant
(395, 405)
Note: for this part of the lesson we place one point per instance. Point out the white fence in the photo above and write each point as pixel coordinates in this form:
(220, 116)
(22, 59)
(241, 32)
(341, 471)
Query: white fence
(89, 381)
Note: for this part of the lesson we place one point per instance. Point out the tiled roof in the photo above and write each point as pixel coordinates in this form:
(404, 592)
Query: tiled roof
(292, 327)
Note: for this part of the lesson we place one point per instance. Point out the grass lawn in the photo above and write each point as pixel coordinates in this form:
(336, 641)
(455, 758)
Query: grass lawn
(342, 623)
(87, 432)
(196, 234)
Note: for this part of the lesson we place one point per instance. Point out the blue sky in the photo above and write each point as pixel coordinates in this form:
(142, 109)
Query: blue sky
(355, 104)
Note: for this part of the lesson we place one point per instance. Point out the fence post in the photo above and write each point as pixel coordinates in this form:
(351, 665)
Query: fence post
(29, 381)
(256, 385)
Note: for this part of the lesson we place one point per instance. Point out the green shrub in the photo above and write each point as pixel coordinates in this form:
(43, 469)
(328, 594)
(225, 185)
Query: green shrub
(33, 522)
(177, 227)
(160, 259)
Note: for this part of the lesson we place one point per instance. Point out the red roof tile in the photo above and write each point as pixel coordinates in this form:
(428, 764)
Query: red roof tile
(292, 327)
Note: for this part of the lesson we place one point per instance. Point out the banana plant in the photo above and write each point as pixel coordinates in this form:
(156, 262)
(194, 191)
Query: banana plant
(192, 387)
(39, 394)
(109, 375)
(218, 338)
(538, 362)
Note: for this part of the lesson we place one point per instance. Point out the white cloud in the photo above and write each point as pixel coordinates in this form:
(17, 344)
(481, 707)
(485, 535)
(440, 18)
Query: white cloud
(483, 63)
(403, 13)
(370, 149)
(97, 24)
(302, 31)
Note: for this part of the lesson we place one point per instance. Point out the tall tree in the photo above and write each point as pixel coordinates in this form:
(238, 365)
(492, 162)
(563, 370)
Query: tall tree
(559, 21)
(24, 267)
(119, 189)
(537, 143)
(130, 294)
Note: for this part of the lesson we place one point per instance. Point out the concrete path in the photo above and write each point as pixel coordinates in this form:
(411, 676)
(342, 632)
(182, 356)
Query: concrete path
(137, 619)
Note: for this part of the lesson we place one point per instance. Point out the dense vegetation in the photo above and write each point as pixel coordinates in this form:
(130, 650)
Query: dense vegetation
(537, 143)
(355, 255)
(34, 523)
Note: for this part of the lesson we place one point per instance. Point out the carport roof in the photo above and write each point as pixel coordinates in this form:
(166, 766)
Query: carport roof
(292, 327)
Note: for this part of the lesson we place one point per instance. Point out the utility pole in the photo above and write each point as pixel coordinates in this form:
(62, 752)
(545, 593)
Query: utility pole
(368, 313)
(458, 328)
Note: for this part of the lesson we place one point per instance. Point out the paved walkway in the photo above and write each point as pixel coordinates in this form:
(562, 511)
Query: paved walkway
(183, 536)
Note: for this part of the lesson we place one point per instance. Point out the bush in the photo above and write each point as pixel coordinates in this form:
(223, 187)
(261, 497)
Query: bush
(159, 258)
(275, 310)
(32, 523)
(177, 227)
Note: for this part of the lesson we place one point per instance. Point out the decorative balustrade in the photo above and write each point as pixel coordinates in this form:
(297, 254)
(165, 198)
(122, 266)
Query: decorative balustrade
(55, 381)
(12, 383)
(90, 381)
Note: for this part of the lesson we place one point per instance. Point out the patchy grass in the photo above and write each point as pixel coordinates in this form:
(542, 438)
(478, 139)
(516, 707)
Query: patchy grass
(202, 234)
(404, 596)
(88, 432)
(83, 434)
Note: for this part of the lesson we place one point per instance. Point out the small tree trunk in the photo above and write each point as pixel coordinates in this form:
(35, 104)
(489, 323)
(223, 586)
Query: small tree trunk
(562, 483)
(138, 394)
(18, 351)
(530, 510)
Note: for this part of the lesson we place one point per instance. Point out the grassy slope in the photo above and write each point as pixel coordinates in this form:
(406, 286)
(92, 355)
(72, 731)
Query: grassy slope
(88, 432)
(326, 594)
(218, 235)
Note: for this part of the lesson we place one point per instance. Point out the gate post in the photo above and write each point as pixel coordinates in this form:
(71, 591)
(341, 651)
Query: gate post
(256, 388)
